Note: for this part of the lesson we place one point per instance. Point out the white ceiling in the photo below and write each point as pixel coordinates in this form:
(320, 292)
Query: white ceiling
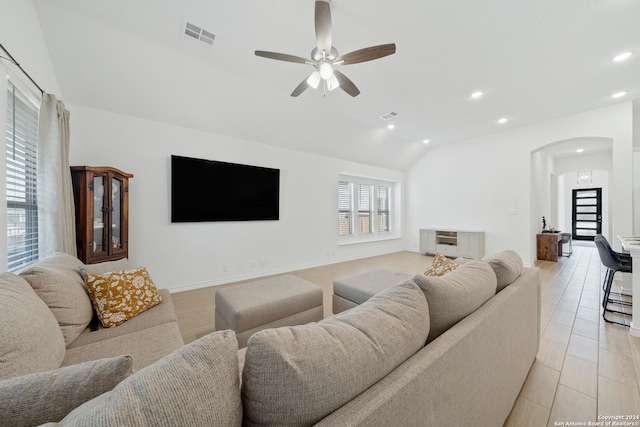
(569, 148)
(535, 60)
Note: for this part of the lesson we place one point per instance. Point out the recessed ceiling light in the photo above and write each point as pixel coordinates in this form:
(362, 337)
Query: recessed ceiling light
(579, 150)
(619, 94)
(503, 120)
(425, 141)
(391, 126)
(622, 57)
(477, 94)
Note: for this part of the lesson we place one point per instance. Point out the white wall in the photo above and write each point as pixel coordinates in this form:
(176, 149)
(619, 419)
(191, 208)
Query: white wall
(600, 165)
(541, 194)
(185, 256)
(485, 183)
(565, 195)
(20, 34)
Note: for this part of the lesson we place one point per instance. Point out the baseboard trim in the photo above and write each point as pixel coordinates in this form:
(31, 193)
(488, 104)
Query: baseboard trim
(273, 272)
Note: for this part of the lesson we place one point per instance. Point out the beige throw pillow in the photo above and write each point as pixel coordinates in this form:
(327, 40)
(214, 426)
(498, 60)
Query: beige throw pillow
(64, 292)
(49, 396)
(106, 267)
(121, 295)
(507, 265)
(196, 385)
(440, 266)
(30, 337)
(454, 296)
(297, 375)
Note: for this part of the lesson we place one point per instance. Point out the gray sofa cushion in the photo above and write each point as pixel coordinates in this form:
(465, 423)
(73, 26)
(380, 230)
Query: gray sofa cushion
(57, 282)
(30, 337)
(457, 294)
(145, 345)
(197, 385)
(42, 397)
(297, 375)
(507, 265)
(161, 313)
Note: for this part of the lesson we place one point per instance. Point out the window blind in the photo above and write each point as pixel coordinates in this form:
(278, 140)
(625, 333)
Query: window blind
(21, 178)
(364, 208)
(344, 209)
(382, 202)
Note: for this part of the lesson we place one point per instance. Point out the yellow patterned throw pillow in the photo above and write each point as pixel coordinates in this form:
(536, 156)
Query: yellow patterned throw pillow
(120, 295)
(440, 266)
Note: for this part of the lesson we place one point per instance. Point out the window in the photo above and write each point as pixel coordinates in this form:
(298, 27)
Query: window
(344, 209)
(363, 206)
(22, 207)
(382, 202)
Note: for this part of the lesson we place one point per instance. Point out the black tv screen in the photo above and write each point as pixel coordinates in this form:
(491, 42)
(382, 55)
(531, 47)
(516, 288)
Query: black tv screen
(209, 190)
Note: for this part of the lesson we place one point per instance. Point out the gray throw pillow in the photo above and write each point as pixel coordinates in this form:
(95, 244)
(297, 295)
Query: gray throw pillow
(106, 267)
(457, 294)
(297, 375)
(507, 265)
(63, 290)
(49, 396)
(30, 337)
(196, 385)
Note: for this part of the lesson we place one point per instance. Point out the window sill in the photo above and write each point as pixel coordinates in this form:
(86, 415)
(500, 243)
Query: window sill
(378, 237)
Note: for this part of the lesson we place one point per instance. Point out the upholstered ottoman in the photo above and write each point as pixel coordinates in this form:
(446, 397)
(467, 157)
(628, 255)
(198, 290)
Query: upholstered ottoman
(351, 291)
(270, 303)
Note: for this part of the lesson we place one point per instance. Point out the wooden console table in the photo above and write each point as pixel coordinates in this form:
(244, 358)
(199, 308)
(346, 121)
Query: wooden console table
(549, 246)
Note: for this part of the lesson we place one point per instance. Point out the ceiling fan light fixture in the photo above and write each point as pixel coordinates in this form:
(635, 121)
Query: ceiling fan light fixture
(332, 82)
(326, 70)
(314, 79)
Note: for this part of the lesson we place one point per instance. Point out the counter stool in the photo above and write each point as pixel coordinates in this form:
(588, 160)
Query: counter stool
(614, 261)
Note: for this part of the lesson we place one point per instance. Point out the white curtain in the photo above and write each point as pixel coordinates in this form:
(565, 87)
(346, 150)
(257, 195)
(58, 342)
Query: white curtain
(56, 211)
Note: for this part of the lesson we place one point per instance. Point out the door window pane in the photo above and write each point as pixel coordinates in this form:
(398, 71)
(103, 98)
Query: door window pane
(586, 225)
(585, 209)
(98, 214)
(586, 217)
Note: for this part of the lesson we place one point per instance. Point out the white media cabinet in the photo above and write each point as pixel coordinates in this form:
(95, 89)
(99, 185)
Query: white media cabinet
(452, 243)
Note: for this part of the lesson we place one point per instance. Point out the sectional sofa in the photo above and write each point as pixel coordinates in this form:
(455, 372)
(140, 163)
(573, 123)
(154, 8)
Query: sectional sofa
(367, 366)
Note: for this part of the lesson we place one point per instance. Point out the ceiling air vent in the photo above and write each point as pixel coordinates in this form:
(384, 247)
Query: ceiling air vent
(389, 115)
(194, 32)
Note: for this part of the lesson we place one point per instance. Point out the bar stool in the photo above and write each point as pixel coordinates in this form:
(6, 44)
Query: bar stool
(614, 261)
(566, 238)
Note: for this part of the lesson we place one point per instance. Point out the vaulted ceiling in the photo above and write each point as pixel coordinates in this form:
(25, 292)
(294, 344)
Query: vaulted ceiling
(533, 60)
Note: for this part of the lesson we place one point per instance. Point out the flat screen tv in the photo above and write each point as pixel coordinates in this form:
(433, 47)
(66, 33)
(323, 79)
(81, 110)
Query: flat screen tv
(209, 190)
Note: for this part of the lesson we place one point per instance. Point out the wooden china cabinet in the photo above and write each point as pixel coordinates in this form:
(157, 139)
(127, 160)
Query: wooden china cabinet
(101, 196)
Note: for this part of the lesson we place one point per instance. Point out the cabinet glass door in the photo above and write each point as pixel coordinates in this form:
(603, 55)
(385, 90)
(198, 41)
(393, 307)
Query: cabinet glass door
(99, 216)
(116, 214)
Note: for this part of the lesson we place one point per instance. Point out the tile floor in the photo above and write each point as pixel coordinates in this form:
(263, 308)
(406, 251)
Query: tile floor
(585, 367)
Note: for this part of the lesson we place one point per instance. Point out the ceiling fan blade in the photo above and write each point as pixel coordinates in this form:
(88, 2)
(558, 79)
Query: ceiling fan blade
(300, 88)
(346, 84)
(367, 54)
(323, 26)
(282, 57)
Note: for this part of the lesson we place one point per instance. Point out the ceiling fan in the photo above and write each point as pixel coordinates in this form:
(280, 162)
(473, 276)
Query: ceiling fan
(325, 57)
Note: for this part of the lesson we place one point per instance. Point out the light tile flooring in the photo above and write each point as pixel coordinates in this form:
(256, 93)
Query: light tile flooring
(585, 367)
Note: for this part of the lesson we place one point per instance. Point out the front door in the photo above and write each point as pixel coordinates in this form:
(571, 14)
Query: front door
(587, 213)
